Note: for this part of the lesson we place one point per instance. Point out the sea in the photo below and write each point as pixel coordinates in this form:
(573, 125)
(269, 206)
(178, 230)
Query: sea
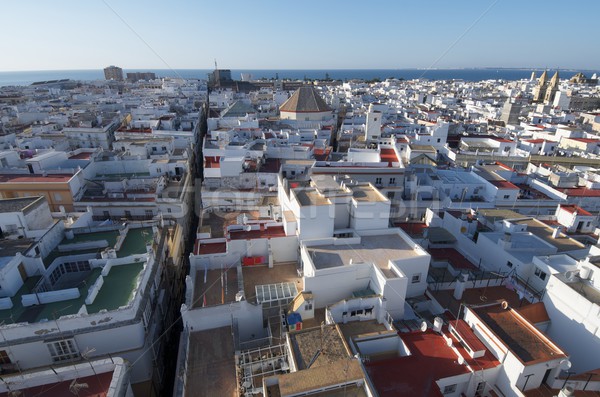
(22, 78)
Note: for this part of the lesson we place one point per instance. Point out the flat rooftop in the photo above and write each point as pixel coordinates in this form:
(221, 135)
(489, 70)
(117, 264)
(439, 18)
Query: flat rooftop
(262, 275)
(372, 249)
(326, 340)
(307, 197)
(366, 193)
(98, 385)
(215, 287)
(519, 336)
(562, 243)
(211, 364)
(415, 375)
(582, 287)
(118, 289)
(18, 204)
(346, 371)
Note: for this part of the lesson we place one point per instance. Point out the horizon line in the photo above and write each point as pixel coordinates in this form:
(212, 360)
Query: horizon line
(310, 69)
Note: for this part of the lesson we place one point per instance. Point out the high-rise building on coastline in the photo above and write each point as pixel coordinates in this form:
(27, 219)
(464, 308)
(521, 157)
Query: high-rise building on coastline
(113, 73)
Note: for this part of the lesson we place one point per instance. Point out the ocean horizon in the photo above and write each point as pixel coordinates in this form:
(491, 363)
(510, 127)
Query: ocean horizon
(24, 78)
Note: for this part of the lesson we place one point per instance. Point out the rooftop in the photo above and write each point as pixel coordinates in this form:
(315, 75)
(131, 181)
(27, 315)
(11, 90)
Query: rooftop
(372, 249)
(582, 287)
(211, 363)
(326, 340)
(305, 99)
(310, 196)
(215, 287)
(19, 204)
(366, 193)
(528, 344)
(262, 274)
(562, 243)
(98, 385)
(416, 374)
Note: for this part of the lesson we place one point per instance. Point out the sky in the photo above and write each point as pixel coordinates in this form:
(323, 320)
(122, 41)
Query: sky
(306, 34)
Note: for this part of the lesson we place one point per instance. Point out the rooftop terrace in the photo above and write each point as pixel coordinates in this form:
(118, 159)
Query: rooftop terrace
(211, 364)
(372, 249)
(520, 337)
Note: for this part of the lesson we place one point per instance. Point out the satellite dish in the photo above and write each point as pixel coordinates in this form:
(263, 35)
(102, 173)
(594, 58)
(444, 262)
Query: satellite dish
(504, 305)
(423, 326)
(461, 360)
(247, 228)
(565, 364)
(449, 342)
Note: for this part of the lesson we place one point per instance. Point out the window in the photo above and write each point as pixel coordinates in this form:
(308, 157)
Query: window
(506, 196)
(169, 210)
(378, 181)
(392, 181)
(539, 273)
(57, 197)
(509, 264)
(391, 195)
(4, 359)
(63, 350)
(439, 140)
(308, 306)
(416, 278)
(449, 389)
(127, 214)
(164, 148)
(149, 213)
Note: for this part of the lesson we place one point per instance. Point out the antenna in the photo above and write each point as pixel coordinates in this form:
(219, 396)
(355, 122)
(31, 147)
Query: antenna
(75, 387)
(216, 64)
(423, 326)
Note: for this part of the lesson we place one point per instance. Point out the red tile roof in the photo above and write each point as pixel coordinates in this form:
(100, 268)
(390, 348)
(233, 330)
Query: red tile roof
(572, 208)
(504, 185)
(36, 178)
(581, 192)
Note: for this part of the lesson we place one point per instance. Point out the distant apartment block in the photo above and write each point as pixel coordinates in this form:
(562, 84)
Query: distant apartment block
(113, 73)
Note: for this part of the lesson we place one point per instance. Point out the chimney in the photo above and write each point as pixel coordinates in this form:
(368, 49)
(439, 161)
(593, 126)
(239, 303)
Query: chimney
(556, 232)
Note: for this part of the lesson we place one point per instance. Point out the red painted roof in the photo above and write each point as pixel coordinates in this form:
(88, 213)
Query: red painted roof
(201, 248)
(389, 156)
(467, 335)
(81, 156)
(431, 359)
(98, 386)
(270, 232)
(581, 192)
(502, 140)
(534, 140)
(455, 258)
(504, 185)
(36, 178)
(572, 208)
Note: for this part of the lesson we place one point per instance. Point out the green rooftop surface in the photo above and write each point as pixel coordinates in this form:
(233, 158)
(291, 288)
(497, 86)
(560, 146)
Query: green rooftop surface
(135, 243)
(117, 290)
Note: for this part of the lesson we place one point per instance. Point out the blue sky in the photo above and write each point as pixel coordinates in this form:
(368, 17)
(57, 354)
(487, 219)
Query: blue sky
(306, 34)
